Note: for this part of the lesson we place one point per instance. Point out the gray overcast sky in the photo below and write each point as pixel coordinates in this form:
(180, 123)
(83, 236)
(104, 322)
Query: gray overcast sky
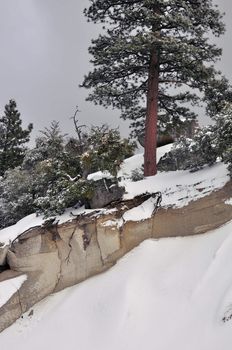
(43, 57)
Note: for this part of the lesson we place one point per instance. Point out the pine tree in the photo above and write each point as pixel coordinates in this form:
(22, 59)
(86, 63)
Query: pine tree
(16, 196)
(106, 150)
(12, 138)
(51, 141)
(153, 60)
(224, 136)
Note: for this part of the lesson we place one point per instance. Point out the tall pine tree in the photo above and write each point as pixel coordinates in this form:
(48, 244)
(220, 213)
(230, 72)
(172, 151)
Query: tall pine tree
(153, 61)
(12, 138)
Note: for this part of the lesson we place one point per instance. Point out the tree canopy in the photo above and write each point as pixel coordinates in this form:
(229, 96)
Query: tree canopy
(12, 138)
(154, 60)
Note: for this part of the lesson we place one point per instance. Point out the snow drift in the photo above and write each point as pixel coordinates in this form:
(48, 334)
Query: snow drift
(166, 294)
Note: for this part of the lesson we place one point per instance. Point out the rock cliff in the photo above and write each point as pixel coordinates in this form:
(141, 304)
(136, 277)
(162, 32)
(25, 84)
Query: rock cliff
(54, 257)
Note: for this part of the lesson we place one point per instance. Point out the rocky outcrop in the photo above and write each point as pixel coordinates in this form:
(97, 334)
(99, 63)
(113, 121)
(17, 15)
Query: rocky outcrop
(105, 191)
(55, 257)
(3, 253)
(200, 216)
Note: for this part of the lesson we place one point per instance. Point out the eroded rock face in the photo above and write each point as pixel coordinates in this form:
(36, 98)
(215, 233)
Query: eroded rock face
(197, 217)
(56, 257)
(3, 253)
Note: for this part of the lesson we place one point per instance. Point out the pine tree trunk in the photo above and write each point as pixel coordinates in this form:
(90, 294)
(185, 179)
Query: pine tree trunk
(150, 145)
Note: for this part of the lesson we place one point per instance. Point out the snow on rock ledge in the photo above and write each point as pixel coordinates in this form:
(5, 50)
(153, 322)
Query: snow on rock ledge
(179, 188)
(56, 257)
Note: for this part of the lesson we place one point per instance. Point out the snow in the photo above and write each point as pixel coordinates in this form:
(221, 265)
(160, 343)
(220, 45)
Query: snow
(179, 188)
(136, 161)
(10, 233)
(10, 287)
(99, 175)
(129, 164)
(143, 211)
(113, 223)
(228, 201)
(171, 293)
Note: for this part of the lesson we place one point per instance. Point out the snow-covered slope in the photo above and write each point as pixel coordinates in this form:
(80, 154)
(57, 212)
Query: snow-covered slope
(10, 287)
(173, 293)
(178, 188)
(136, 161)
(165, 294)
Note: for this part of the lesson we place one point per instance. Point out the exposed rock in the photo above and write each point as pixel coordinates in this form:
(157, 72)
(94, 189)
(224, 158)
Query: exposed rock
(108, 236)
(169, 162)
(3, 253)
(197, 217)
(89, 244)
(105, 192)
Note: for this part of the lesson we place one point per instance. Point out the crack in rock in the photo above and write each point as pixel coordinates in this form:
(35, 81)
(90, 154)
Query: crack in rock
(67, 259)
(102, 260)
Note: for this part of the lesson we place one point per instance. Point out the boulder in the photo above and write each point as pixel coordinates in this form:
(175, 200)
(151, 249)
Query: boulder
(105, 192)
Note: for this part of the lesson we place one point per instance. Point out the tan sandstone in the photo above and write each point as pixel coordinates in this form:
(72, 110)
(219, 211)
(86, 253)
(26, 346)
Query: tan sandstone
(85, 247)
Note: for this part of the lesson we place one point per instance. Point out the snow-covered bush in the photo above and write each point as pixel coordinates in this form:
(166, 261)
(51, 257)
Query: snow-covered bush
(205, 147)
(191, 154)
(137, 174)
(228, 159)
(56, 190)
(16, 196)
(105, 150)
(224, 136)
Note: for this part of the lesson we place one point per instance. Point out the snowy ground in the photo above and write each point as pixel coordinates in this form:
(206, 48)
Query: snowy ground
(166, 294)
(178, 188)
(173, 293)
(10, 287)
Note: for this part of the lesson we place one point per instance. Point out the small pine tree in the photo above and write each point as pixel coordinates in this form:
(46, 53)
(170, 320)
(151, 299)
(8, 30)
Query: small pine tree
(16, 196)
(224, 136)
(51, 141)
(12, 138)
(106, 150)
(52, 145)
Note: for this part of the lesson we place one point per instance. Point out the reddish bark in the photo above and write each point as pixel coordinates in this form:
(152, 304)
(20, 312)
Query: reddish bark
(150, 167)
